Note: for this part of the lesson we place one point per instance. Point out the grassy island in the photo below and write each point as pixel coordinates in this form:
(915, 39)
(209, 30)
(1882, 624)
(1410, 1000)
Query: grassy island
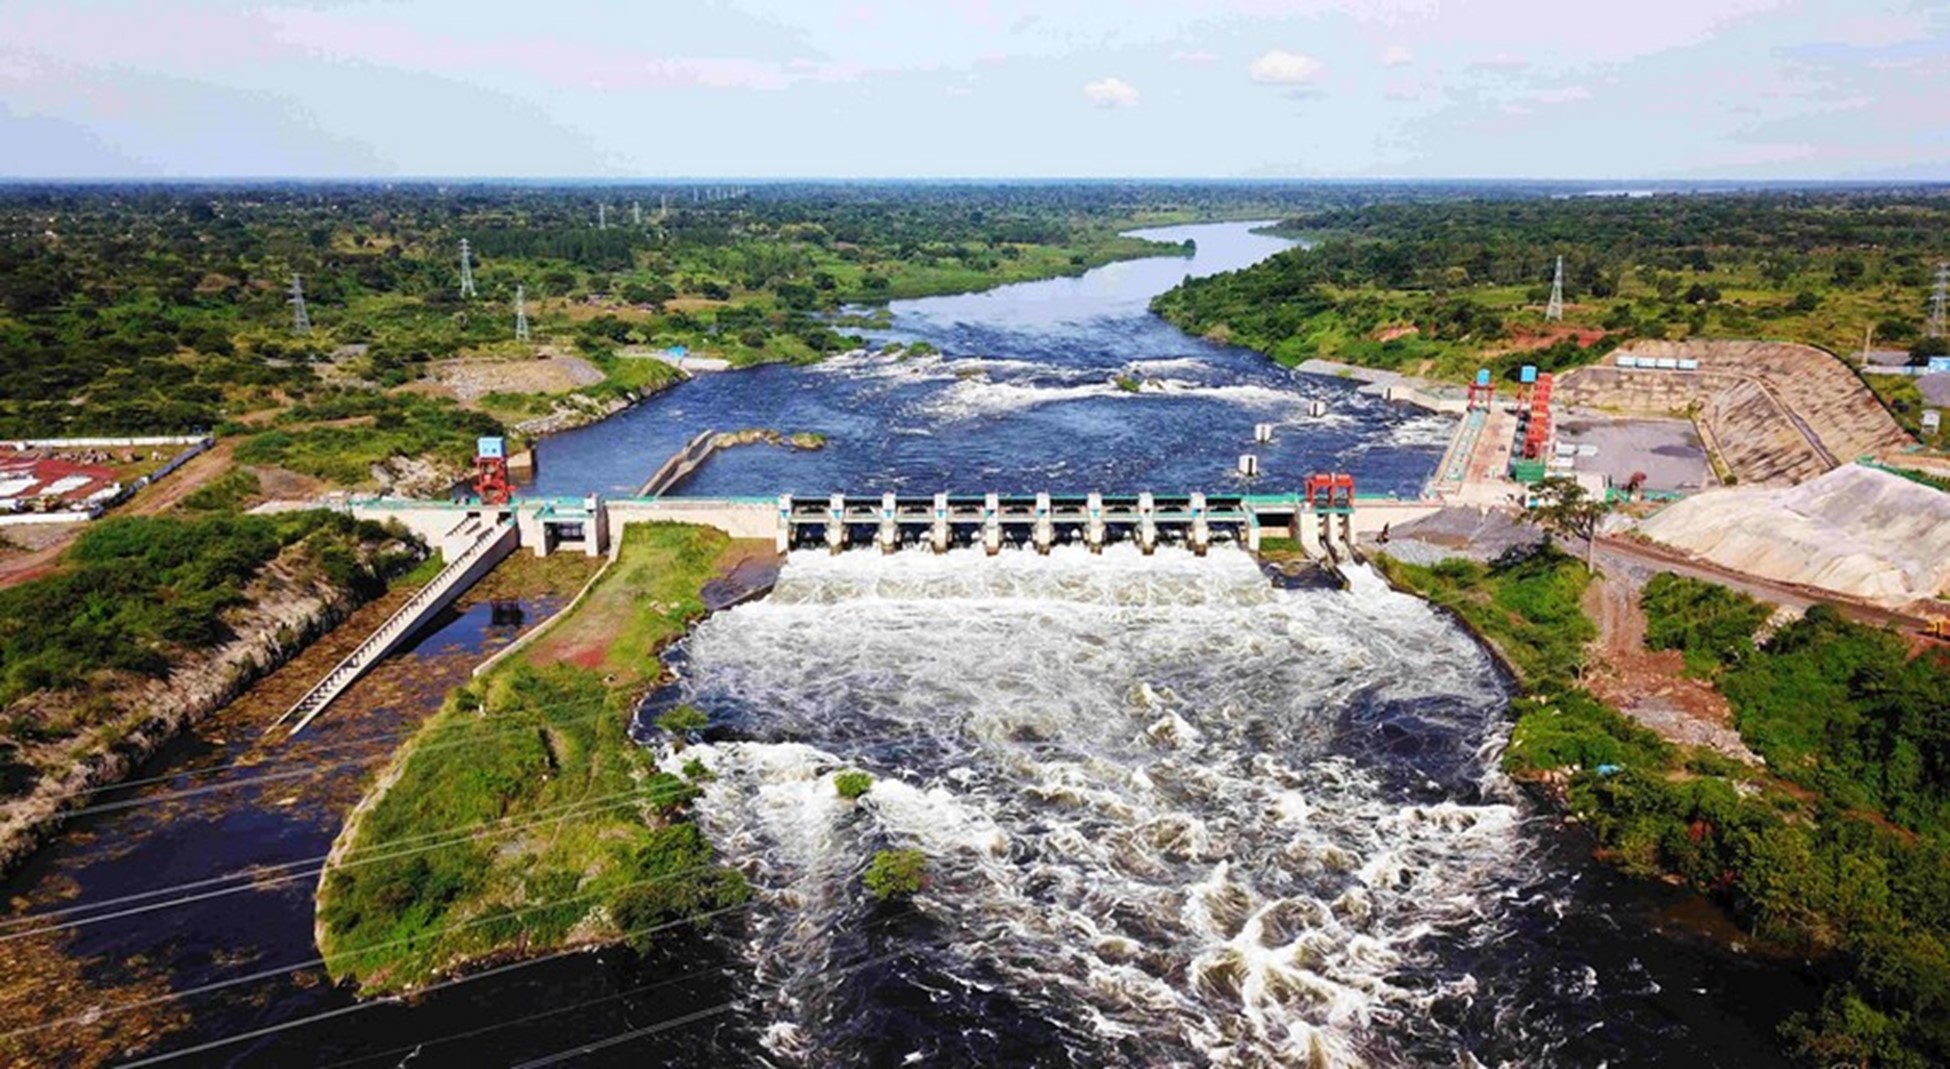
(522, 819)
(1835, 850)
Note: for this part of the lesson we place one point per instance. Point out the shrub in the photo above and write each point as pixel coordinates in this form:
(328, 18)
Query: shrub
(681, 722)
(896, 874)
(852, 783)
(1713, 626)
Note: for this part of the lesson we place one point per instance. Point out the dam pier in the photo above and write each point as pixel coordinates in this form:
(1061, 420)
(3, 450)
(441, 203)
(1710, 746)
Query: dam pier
(1321, 519)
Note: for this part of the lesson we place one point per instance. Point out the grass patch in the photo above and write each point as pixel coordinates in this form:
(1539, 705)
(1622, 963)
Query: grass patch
(1711, 625)
(1530, 607)
(233, 491)
(341, 437)
(648, 597)
(579, 837)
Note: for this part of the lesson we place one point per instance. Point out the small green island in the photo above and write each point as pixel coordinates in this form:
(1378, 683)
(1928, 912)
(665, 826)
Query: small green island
(522, 819)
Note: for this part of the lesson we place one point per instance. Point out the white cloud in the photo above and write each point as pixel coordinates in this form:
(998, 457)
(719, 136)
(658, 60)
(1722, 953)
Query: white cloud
(1570, 94)
(1199, 57)
(1284, 68)
(1397, 56)
(1500, 61)
(1112, 93)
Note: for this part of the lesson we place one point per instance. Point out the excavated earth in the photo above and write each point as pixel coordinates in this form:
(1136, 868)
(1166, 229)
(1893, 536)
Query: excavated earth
(1855, 530)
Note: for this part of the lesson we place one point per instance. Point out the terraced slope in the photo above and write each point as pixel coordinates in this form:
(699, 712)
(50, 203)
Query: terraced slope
(1774, 413)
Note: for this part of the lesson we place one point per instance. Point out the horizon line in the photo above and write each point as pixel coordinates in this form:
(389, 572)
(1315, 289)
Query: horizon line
(15, 180)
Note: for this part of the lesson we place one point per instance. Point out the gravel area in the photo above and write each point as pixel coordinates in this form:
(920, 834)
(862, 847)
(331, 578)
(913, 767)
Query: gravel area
(1476, 534)
(1668, 451)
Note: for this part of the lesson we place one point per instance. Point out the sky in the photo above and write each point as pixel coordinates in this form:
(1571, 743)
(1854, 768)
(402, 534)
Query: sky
(1744, 89)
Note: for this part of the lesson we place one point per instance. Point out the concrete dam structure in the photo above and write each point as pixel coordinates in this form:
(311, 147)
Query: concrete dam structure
(1323, 524)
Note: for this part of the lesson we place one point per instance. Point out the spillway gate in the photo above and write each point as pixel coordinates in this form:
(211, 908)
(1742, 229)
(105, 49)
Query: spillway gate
(1321, 526)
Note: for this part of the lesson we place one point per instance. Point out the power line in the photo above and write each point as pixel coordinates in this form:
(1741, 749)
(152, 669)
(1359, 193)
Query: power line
(191, 792)
(186, 792)
(257, 879)
(98, 1013)
(690, 1018)
(288, 755)
(343, 1011)
(581, 1004)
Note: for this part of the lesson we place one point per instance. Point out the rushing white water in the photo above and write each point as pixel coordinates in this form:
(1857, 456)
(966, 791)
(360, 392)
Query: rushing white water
(1164, 803)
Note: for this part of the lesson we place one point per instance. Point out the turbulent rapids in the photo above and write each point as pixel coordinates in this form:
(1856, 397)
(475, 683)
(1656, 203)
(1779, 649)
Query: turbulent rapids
(1173, 814)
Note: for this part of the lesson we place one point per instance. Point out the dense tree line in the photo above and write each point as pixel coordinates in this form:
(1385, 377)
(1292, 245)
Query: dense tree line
(1390, 284)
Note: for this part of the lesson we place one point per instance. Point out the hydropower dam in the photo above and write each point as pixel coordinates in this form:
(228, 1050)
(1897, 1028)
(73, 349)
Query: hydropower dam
(1174, 813)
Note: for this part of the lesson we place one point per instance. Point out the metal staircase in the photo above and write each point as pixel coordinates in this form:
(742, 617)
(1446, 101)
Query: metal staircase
(495, 539)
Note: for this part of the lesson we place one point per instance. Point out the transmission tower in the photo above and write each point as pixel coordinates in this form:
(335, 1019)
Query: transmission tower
(602, 217)
(521, 313)
(1939, 299)
(636, 213)
(300, 322)
(466, 269)
(1555, 310)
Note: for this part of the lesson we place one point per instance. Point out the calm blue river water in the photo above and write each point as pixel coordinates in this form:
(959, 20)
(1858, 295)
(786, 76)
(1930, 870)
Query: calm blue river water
(1023, 397)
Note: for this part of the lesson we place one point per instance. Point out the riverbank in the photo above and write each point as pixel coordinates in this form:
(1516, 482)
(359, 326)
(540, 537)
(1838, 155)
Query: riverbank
(1393, 385)
(1822, 854)
(570, 836)
(203, 641)
(244, 815)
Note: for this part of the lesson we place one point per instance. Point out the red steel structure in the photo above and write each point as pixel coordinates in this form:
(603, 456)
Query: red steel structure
(491, 479)
(1537, 423)
(1329, 491)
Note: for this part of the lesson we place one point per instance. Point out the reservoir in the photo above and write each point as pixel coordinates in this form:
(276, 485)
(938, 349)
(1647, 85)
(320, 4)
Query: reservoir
(1023, 396)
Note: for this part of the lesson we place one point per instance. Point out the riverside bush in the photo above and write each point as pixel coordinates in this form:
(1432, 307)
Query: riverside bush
(137, 591)
(896, 874)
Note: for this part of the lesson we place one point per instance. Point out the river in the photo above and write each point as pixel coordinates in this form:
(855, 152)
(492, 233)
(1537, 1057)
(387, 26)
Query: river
(1022, 397)
(1173, 815)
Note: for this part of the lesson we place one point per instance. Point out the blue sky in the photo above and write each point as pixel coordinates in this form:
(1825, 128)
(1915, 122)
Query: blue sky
(977, 88)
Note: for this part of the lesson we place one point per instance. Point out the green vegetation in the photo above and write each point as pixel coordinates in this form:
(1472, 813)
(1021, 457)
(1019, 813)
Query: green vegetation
(567, 831)
(680, 723)
(852, 784)
(1845, 863)
(137, 593)
(230, 492)
(1904, 400)
(342, 435)
(1528, 606)
(1713, 626)
(1842, 709)
(1442, 288)
(160, 309)
(896, 874)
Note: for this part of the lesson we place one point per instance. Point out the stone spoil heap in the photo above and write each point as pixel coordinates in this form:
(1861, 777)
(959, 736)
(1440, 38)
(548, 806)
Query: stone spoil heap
(1855, 531)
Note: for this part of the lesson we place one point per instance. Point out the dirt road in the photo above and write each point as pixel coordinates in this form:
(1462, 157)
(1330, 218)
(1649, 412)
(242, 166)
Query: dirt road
(1651, 686)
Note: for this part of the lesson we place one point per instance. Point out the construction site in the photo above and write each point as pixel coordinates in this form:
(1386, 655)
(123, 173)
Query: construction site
(1761, 459)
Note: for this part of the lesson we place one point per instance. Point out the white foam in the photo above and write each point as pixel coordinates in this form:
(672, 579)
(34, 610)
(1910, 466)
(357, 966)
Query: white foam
(1124, 773)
